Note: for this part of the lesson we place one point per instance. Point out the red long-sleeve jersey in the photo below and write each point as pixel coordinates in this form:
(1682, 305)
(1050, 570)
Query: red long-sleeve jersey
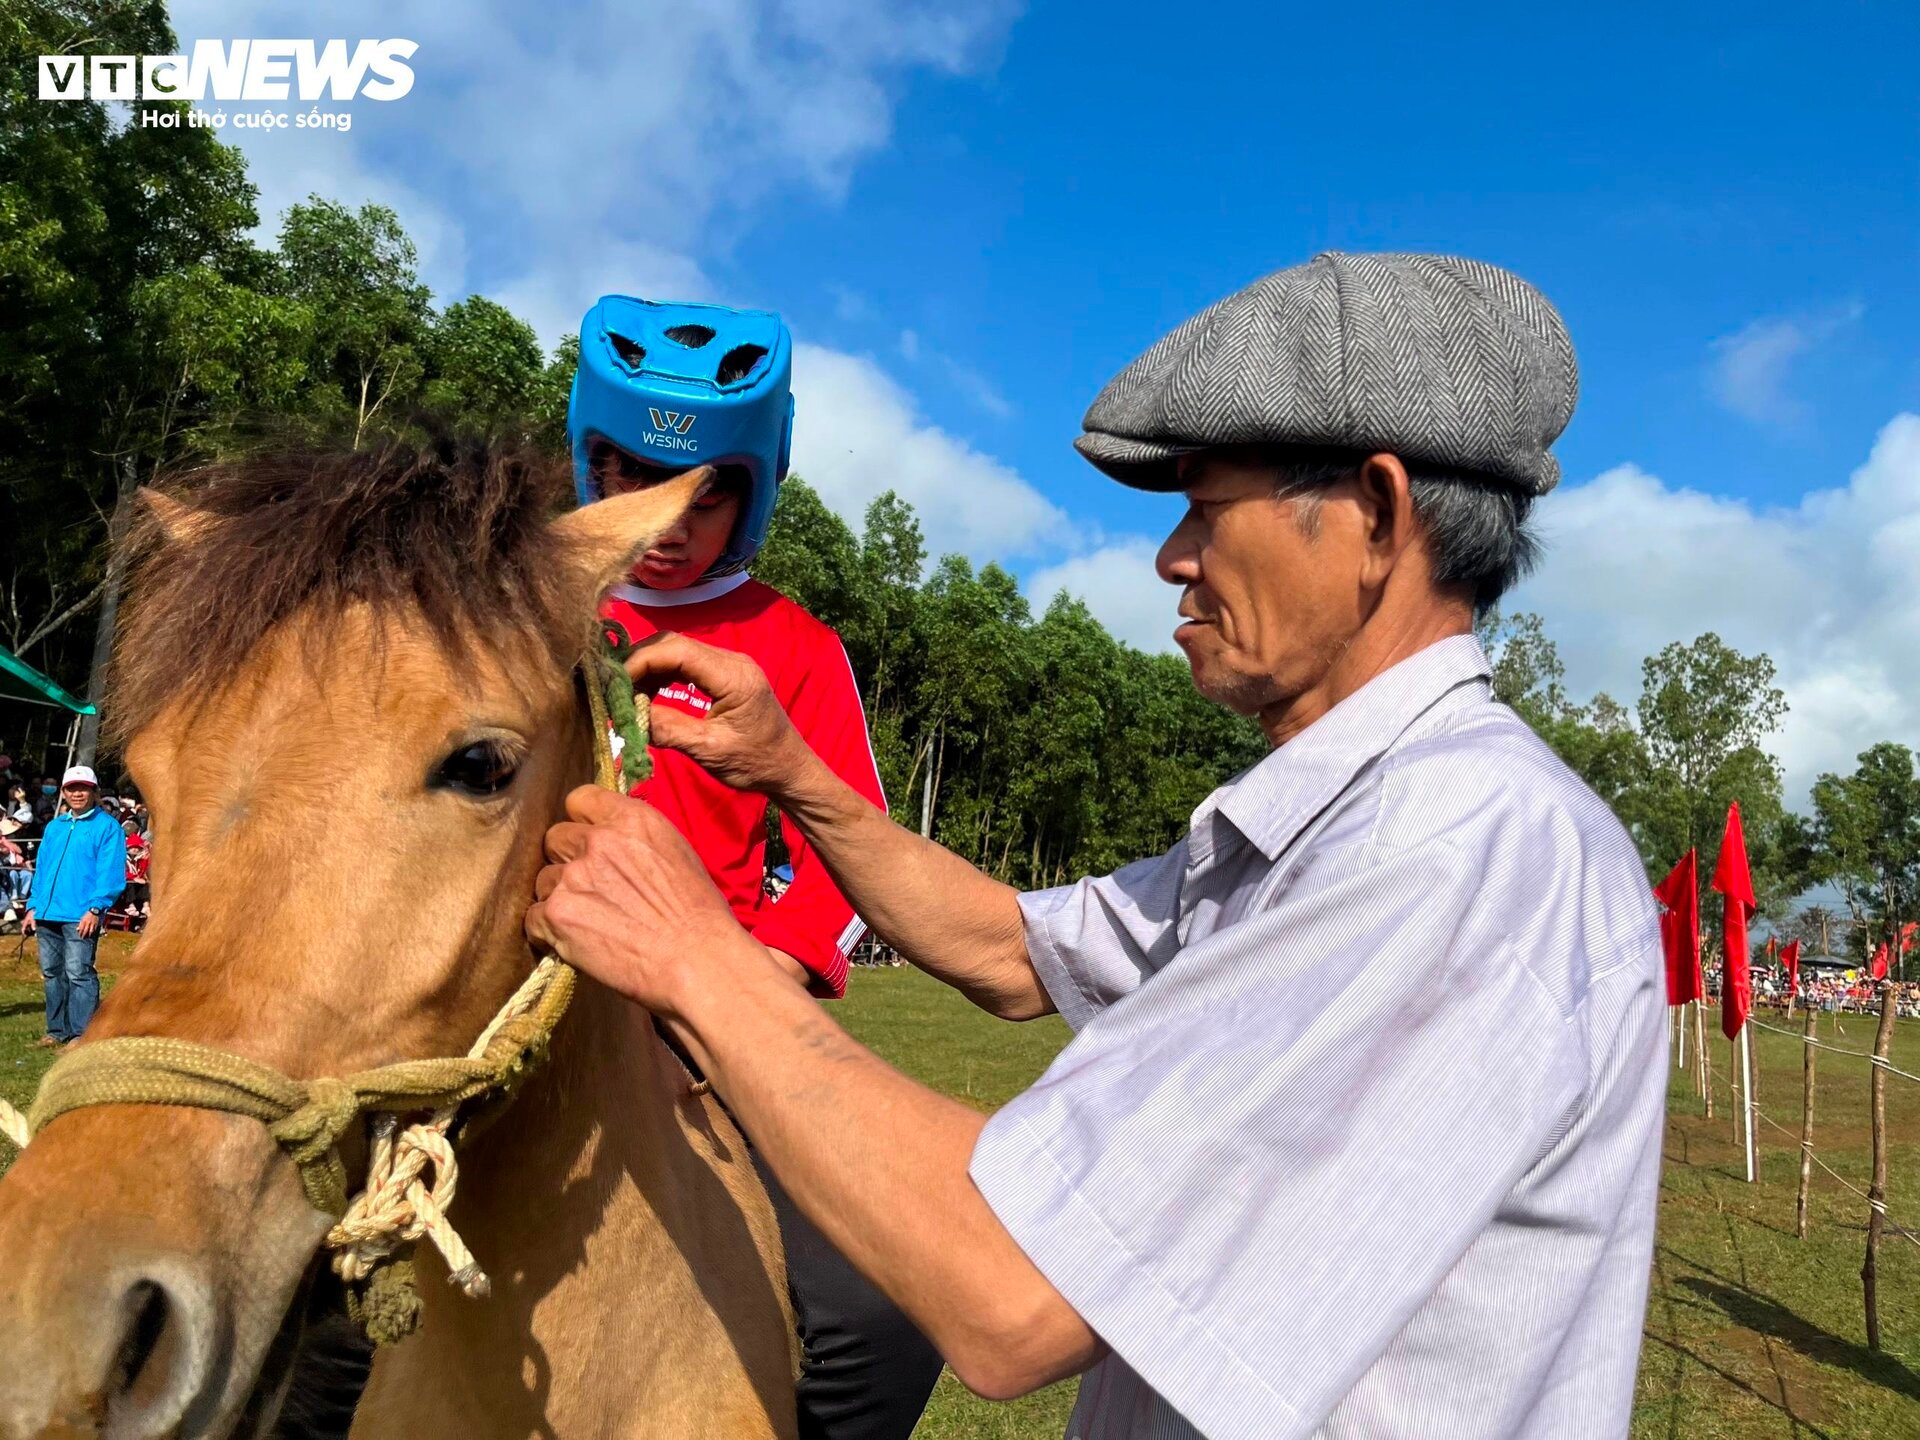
(811, 677)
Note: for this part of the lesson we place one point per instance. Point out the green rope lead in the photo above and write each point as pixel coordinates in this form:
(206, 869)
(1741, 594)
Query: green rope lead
(626, 710)
(309, 1118)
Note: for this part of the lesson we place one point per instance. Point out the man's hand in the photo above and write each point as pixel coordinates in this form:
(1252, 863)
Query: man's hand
(746, 739)
(88, 925)
(627, 901)
(26, 925)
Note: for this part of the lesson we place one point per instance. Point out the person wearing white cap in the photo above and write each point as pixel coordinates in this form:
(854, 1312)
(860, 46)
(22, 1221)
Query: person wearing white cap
(82, 868)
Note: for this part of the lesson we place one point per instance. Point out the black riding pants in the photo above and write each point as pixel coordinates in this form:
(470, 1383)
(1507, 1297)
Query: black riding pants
(866, 1371)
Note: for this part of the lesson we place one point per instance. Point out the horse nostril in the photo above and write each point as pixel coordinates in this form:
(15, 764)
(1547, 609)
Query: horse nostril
(146, 1306)
(162, 1361)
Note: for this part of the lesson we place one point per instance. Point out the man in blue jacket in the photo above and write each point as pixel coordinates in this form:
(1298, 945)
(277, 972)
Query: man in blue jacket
(81, 870)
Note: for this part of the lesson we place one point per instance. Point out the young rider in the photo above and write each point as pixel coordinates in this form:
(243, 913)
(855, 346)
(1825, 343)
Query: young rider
(661, 388)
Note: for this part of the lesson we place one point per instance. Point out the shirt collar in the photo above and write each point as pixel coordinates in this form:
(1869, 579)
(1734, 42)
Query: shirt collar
(1274, 801)
(688, 595)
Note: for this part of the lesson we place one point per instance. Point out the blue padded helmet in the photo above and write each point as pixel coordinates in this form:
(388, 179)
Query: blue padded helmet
(679, 385)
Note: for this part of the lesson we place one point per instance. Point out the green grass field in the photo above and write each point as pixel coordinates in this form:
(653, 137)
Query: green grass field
(1750, 1333)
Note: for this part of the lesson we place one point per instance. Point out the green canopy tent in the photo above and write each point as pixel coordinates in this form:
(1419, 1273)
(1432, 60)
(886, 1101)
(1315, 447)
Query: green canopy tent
(22, 684)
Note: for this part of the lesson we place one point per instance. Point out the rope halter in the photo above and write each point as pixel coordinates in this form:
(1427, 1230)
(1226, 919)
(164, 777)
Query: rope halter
(411, 1171)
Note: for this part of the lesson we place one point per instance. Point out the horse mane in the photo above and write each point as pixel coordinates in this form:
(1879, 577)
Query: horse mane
(454, 531)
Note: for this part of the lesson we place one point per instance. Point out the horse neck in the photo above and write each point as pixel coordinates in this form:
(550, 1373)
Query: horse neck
(600, 1112)
(599, 1106)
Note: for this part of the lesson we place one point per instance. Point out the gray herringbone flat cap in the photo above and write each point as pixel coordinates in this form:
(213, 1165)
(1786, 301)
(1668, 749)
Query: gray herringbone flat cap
(1454, 362)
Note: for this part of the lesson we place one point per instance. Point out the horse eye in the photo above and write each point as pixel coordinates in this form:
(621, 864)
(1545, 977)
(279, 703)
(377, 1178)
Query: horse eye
(483, 768)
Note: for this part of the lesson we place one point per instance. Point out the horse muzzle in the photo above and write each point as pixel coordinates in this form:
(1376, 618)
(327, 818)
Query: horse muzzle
(154, 1256)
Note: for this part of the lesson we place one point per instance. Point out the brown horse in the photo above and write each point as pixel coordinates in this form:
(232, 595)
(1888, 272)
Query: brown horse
(345, 685)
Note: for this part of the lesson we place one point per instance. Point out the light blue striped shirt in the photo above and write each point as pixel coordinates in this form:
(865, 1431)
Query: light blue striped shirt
(1359, 1133)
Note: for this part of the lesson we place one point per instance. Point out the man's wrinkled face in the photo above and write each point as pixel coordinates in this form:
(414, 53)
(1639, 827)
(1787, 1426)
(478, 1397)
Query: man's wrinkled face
(79, 798)
(1269, 598)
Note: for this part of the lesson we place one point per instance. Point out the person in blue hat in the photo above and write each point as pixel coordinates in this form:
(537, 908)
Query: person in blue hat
(661, 388)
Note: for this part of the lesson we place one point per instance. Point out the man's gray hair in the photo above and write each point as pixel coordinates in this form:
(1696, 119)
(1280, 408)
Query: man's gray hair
(1477, 528)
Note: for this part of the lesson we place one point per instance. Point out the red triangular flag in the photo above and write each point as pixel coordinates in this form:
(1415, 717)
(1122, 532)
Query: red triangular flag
(1790, 960)
(1906, 935)
(1880, 961)
(1680, 929)
(1734, 881)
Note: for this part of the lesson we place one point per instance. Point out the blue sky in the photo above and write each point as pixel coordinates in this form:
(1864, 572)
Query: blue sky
(973, 214)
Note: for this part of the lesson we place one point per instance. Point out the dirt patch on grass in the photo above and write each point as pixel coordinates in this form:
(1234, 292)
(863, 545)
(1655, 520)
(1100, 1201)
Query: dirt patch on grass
(20, 963)
(1777, 1372)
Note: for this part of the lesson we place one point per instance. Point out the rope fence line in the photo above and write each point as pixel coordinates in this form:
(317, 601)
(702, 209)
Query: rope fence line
(1744, 1094)
(1903, 1231)
(1866, 1055)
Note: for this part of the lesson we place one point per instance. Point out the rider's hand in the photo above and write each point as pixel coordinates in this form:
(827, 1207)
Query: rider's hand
(746, 739)
(626, 900)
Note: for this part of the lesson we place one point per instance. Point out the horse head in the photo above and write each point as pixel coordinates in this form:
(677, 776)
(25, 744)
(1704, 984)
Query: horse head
(345, 686)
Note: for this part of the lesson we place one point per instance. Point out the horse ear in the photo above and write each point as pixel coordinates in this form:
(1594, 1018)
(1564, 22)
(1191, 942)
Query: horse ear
(606, 537)
(179, 522)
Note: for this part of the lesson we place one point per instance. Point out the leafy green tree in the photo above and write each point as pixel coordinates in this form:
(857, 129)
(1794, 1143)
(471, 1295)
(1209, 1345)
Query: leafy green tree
(548, 407)
(1597, 740)
(1866, 842)
(813, 558)
(485, 372)
(972, 671)
(1063, 734)
(94, 214)
(892, 556)
(357, 273)
(1705, 710)
(1527, 672)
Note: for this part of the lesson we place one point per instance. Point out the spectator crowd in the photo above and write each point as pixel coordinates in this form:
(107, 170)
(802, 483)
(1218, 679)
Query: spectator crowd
(1834, 992)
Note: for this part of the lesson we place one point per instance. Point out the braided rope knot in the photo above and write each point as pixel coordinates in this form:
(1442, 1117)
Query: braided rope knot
(412, 1172)
(311, 1137)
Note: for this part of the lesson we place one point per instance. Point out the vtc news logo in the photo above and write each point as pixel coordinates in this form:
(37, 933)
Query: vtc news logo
(258, 70)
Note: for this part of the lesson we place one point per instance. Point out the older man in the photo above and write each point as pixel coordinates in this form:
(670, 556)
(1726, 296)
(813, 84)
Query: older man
(1359, 1133)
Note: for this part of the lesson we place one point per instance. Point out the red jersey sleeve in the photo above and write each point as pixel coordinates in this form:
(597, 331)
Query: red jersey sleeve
(813, 922)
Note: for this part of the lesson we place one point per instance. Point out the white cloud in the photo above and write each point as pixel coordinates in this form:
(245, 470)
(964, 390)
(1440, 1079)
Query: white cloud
(549, 299)
(1825, 587)
(549, 154)
(566, 137)
(857, 433)
(1120, 587)
(977, 388)
(1750, 366)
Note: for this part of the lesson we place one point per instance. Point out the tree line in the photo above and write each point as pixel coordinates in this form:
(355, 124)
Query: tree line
(146, 327)
(1693, 743)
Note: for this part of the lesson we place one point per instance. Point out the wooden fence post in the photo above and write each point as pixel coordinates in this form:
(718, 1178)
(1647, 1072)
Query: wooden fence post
(1806, 1124)
(1877, 1191)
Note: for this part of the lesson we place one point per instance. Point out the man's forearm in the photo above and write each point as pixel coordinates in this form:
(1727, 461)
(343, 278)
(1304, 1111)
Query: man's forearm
(948, 918)
(879, 1163)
